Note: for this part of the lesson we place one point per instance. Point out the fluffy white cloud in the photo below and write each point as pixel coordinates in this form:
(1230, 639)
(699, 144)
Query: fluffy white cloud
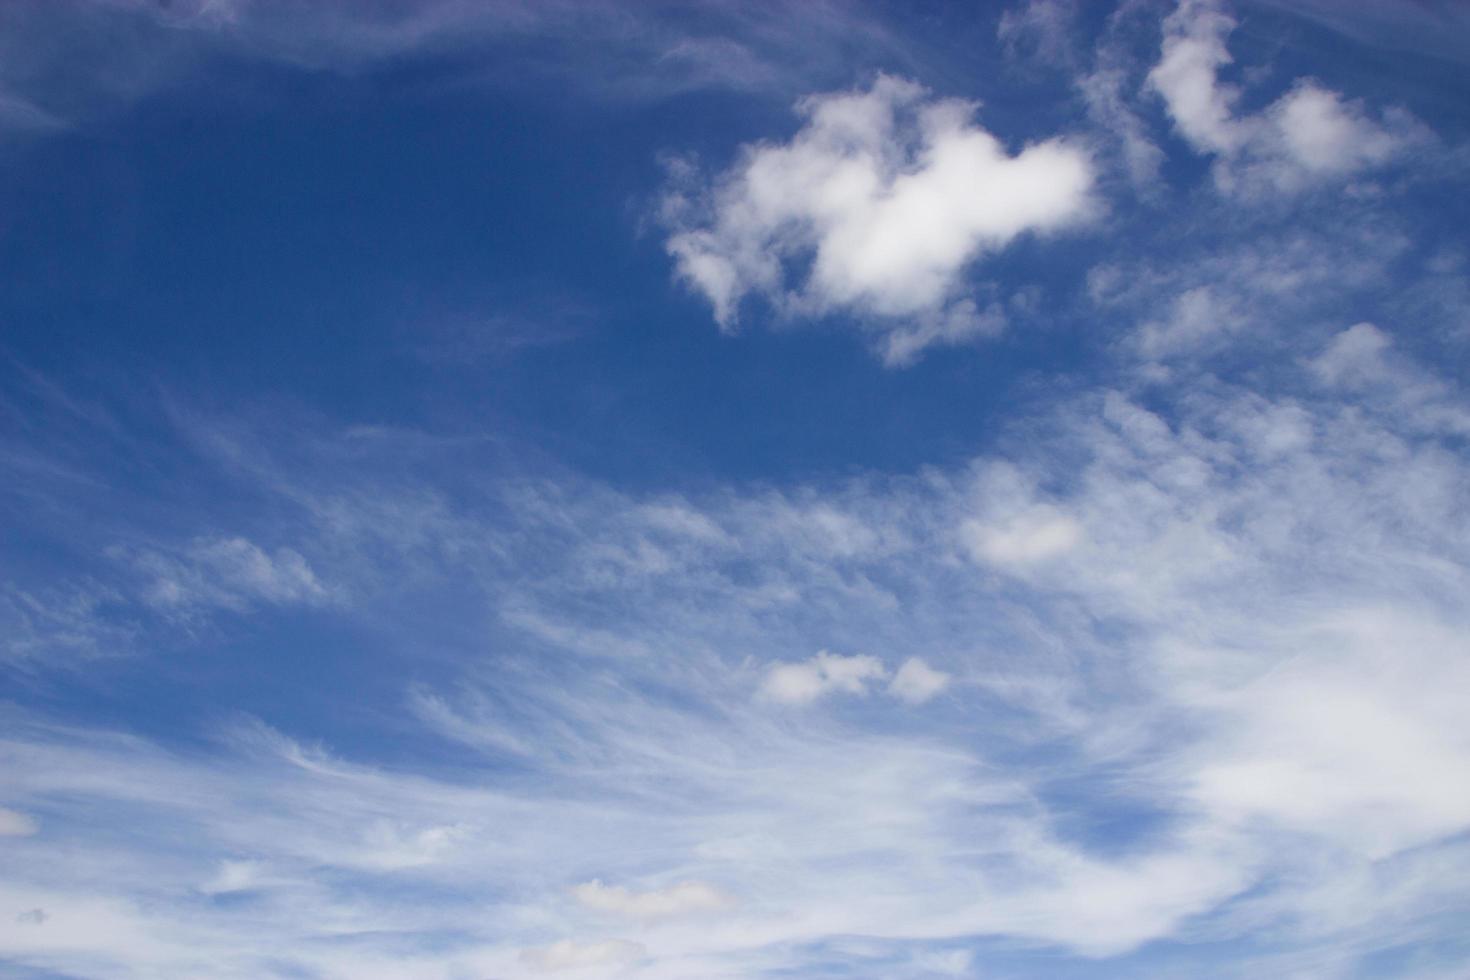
(682, 898)
(1307, 135)
(875, 208)
(826, 673)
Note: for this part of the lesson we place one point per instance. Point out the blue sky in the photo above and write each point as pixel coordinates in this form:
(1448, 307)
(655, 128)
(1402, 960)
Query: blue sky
(701, 490)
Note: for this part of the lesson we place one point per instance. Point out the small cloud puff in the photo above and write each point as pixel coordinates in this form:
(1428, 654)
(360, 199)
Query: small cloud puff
(830, 673)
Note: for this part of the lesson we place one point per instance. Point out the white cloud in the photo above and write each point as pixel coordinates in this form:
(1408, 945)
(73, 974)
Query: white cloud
(1040, 533)
(1354, 356)
(917, 682)
(1039, 28)
(876, 208)
(1016, 529)
(1198, 319)
(230, 573)
(1266, 294)
(1307, 135)
(16, 824)
(1340, 739)
(571, 955)
(682, 898)
(1361, 360)
(948, 963)
(1103, 90)
(1324, 135)
(829, 673)
(234, 876)
(826, 673)
(1193, 53)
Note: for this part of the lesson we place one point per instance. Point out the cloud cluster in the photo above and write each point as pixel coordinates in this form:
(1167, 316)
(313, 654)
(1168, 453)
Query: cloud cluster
(1309, 135)
(876, 208)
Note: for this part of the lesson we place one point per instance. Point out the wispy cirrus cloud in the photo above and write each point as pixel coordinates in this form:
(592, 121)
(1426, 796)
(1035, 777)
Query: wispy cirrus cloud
(1215, 632)
(58, 75)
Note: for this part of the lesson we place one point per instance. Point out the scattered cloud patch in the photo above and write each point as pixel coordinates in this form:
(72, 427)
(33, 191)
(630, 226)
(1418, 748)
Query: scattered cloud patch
(876, 209)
